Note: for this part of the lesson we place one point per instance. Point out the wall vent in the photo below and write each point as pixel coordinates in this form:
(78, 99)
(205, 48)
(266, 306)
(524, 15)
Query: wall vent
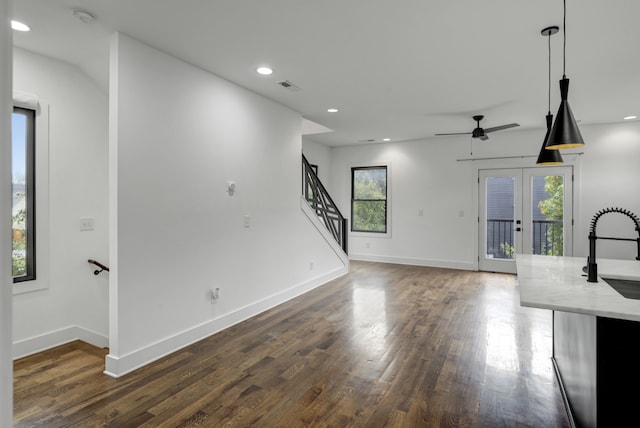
(289, 86)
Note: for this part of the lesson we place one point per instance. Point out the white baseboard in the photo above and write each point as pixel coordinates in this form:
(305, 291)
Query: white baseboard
(117, 366)
(33, 345)
(414, 262)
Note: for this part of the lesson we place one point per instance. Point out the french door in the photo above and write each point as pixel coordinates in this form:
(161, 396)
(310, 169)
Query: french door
(523, 211)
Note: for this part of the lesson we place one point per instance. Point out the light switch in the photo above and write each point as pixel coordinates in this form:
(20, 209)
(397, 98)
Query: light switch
(86, 223)
(247, 221)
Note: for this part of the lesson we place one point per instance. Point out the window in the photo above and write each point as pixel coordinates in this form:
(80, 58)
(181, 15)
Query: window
(369, 199)
(23, 192)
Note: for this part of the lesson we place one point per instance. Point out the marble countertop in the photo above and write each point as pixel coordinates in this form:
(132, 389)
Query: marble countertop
(557, 283)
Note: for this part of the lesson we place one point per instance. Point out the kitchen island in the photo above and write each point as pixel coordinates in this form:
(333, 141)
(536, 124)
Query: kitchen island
(596, 335)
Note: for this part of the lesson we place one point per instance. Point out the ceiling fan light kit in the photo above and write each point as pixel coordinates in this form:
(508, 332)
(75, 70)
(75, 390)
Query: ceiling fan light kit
(565, 133)
(546, 156)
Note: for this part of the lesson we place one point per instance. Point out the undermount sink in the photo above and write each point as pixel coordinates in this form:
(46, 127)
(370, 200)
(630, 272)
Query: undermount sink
(627, 288)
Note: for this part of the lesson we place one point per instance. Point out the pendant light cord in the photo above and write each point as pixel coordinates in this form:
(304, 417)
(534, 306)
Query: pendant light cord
(549, 79)
(564, 46)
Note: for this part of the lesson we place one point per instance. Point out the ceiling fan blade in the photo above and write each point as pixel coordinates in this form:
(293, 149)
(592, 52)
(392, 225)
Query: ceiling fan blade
(500, 128)
(456, 133)
(484, 137)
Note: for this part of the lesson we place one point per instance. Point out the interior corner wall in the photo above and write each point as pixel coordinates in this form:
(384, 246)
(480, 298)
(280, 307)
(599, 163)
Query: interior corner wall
(320, 155)
(178, 135)
(6, 321)
(436, 178)
(75, 303)
(430, 203)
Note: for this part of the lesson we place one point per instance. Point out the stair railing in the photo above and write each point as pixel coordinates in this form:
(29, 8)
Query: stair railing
(319, 199)
(101, 267)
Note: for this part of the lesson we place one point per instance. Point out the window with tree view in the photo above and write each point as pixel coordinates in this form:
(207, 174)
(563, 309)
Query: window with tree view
(369, 199)
(23, 192)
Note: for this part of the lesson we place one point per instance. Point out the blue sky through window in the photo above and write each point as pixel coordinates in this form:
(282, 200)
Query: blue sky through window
(18, 131)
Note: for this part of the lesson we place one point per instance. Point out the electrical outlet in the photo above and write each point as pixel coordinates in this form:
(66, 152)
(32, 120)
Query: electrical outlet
(247, 221)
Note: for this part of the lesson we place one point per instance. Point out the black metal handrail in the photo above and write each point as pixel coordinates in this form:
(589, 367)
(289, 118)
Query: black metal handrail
(100, 265)
(319, 199)
(546, 239)
(500, 238)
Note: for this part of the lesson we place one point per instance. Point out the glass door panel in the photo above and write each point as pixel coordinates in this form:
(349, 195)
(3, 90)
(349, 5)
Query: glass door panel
(500, 219)
(523, 210)
(548, 211)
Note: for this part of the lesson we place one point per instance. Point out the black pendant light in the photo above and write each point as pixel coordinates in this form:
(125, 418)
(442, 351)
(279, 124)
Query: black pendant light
(546, 156)
(565, 133)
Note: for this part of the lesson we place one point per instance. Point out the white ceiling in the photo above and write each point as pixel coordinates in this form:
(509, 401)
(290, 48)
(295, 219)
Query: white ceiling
(401, 69)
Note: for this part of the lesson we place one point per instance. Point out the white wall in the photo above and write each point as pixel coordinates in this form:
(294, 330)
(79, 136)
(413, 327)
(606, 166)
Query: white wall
(75, 304)
(426, 175)
(6, 365)
(610, 177)
(422, 176)
(177, 135)
(318, 154)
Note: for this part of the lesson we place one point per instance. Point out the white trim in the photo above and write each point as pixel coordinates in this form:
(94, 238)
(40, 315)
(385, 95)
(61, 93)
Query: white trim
(25, 100)
(6, 298)
(120, 366)
(33, 345)
(413, 261)
(113, 192)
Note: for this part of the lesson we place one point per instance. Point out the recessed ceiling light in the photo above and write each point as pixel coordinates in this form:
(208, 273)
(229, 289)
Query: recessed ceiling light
(19, 26)
(264, 71)
(386, 139)
(630, 117)
(332, 110)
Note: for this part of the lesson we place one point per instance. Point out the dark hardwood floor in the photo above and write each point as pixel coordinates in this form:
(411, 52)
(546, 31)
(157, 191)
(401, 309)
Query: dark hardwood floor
(385, 346)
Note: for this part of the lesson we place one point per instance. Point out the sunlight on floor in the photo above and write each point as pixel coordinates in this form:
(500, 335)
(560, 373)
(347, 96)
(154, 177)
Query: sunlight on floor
(369, 315)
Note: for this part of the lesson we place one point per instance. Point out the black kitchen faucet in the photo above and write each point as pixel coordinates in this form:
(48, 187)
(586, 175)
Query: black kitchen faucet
(592, 267)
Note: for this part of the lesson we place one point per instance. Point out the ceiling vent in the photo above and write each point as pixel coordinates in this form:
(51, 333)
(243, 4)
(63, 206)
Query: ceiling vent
(289, 86)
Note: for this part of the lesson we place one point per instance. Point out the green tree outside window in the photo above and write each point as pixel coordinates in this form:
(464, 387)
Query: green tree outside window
(553, 209)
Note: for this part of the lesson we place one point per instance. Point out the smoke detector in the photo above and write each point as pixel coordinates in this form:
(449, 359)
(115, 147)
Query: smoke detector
(83, 16)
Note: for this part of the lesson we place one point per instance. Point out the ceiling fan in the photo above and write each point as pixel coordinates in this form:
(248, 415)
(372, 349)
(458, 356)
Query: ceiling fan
(478, 132)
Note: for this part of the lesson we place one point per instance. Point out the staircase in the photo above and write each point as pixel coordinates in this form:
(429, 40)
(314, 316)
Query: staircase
(320, 201)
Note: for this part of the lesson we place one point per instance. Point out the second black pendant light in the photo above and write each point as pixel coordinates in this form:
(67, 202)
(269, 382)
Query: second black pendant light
(546, 156)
